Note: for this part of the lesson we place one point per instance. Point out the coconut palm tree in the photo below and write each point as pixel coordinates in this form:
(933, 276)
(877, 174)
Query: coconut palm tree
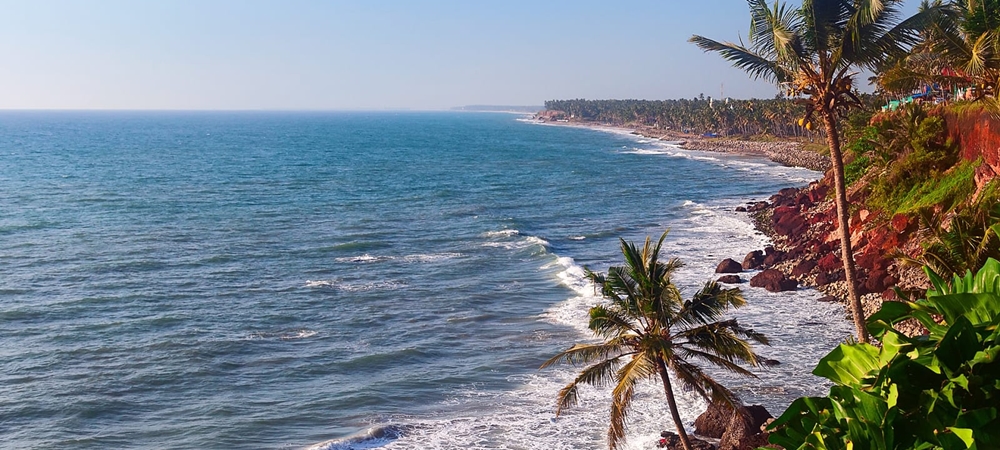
(647, 328)
(967, 35)
(811, 52)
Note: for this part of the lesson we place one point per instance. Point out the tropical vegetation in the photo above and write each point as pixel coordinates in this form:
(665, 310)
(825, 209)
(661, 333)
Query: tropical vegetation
(902, 166)
(699, 115)
(647, 329)
(941, 390)
(811, 52)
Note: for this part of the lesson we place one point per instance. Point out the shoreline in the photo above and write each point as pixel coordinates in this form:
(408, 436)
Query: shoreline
(786, 153)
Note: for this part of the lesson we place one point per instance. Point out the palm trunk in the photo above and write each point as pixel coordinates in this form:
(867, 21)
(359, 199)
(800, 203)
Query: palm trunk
(669, 391)
(843, 217)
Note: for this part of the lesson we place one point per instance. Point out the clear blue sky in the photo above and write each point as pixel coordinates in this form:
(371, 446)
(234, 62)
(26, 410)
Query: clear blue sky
(360, 54)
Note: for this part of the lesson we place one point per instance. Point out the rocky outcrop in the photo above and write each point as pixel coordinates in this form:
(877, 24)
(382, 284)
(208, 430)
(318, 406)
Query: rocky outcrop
(806, 251)
(730, 279)
(774, 281)
(671, 441)
(740, 429)
(729, 266)
(551, 115)
(754, 260)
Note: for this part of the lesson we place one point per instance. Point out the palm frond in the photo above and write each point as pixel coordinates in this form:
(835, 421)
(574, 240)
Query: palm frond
(709, 304)
(612, 322)
(600, 375)
(689, 354)
(628, 376)
(587, 353)
(823, 23)
(773, 31)
(693, 377)
(754, 64)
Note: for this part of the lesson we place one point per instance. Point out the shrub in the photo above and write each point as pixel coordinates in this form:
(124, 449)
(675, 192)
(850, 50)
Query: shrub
(935, 391)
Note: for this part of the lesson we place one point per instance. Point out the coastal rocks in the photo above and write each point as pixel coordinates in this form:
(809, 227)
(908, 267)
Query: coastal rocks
(729, 265)
(772, 257)
(713, 422)
(803, 268)
(754, 260)
(785, 153)
(830, 262)
(774, 281)
(671, 441)
(551, 115)
(737, 429)
(745, 429)
(730, 279)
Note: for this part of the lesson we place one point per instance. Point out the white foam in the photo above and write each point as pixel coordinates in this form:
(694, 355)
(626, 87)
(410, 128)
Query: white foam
(354, 287)
(501, 233)
(432, 257)
(365, 258)
(282, 335)
(515, 241)
(646, 151)
(371, 286)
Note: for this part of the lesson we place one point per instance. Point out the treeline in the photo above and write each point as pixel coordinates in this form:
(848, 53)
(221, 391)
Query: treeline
(729, 117)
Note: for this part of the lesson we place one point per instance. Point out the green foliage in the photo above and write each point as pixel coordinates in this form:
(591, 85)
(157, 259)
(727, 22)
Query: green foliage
(941, 390)
(862, 151)
(945, 191)
(912, 152)
(972, 236)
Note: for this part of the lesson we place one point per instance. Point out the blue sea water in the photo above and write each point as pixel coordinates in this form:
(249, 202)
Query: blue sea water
(347, 280)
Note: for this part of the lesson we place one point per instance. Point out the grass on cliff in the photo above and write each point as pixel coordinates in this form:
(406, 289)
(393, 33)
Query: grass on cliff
(947, 191)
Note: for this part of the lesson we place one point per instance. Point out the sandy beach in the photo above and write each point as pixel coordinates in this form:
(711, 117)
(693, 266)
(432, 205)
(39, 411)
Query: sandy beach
(789, 153)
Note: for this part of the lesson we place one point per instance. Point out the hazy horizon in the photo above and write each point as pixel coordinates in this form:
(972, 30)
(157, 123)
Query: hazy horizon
(302, 55)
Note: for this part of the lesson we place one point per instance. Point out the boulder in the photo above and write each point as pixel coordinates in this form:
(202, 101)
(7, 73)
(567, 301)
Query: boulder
(737, 429)
(803, 268)
(829, 262)
(773, 257)
(774, 281)
(729, 265)
(730, 279)
(825, 278)
(713, 422)
(827, 299)
(754, 260)
(790, 225)
(671, 441)
(744, 430)
(741, 209)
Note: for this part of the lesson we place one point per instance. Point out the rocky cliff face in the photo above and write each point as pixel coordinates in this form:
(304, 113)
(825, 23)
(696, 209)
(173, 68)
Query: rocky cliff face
(802, 224)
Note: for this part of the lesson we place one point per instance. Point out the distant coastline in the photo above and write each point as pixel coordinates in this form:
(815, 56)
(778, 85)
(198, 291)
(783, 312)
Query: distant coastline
(784, 152)
(512, 109)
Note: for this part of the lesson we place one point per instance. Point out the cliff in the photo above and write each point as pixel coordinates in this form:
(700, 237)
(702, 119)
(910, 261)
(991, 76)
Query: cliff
(802, 222)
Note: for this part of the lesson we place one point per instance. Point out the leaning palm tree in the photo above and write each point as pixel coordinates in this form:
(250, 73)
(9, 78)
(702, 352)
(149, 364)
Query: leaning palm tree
(647, 328)
(811, 52)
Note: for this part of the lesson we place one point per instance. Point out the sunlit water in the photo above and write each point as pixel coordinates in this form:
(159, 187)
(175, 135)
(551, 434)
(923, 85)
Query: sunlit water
(295, 280)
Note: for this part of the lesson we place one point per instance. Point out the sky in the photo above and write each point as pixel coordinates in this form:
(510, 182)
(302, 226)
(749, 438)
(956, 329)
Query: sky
(361, 54)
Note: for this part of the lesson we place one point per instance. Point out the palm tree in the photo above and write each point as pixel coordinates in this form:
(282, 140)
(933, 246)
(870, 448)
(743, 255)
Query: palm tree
(967, 35)
(811, 52)
(647, 328)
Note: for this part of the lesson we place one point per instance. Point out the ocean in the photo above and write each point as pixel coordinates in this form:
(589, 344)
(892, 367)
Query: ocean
(349, 280)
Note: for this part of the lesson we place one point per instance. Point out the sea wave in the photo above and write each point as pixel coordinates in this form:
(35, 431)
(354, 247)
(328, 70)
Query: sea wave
(282, 335)
(354, 286)
(374, 437)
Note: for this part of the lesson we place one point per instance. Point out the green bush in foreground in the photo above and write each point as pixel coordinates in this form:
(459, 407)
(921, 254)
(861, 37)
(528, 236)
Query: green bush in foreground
(941, 390)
